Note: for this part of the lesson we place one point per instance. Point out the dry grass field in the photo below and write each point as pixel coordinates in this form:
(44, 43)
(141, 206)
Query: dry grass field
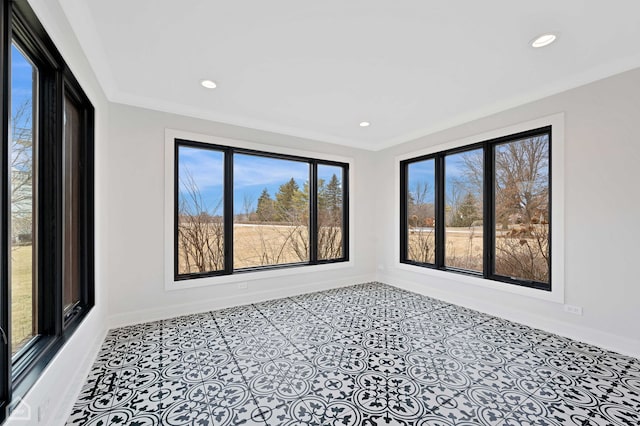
(257, 245)
(463, 246)
(521, 252)
(21, 297)
(270, 244)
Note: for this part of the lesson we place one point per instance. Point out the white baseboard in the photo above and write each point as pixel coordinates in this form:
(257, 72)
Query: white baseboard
(620, 344)
(75, 383)
(137, 317)
(50, 400)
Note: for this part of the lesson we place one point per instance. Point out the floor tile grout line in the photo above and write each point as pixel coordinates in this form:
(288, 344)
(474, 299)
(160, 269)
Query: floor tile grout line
(204, 387)
(571, 352)
(301, 352)
(400, 320)
(244, 379)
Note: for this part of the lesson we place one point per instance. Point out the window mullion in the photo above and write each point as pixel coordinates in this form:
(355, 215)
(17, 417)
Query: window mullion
(440, 206)
(313, 212)
(345, 213)
(488, 219)
(228, 211)
(404, 224)
(5, 357)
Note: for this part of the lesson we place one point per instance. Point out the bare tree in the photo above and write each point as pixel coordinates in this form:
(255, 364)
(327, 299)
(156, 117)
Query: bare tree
(200, 231)
(247, 205)
(22, 168)
(421, 222)
(522, 206)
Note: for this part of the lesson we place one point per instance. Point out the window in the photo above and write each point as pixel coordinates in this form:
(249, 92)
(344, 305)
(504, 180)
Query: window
(271, 211)
(200, 206)
(463, 187)
(23, 156)
(238, 210)
(420, 215)
(482, 210)
(47, 158)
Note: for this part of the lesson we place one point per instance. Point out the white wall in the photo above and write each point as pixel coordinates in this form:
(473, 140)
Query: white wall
(136, 221)
(602, 224)
(57, 388)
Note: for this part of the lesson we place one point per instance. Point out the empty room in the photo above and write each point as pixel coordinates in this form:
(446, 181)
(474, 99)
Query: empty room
(320, 213)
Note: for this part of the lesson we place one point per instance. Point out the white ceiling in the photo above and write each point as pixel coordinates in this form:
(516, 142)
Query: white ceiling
(317, 68)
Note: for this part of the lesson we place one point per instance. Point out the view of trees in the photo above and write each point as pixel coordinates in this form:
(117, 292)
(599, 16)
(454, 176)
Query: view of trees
(521, 210)
(272, 230)
(421, 215)
(200, 230)
(464, 239)
(21, 155)
(22, 173)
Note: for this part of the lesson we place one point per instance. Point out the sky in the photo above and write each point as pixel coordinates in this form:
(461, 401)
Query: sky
(252, 174)
(423, 172)
(22, 91)
(21, 79)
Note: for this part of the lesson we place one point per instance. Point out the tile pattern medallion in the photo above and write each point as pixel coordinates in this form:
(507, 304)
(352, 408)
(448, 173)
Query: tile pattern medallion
(369, 354)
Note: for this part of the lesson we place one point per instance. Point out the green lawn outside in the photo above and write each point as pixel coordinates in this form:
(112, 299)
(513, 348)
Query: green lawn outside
(21, 296)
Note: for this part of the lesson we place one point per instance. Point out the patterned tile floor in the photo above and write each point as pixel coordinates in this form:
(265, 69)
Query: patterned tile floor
(370, 354)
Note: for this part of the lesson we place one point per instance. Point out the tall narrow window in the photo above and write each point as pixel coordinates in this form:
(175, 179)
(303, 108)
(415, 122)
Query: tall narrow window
(522, 209)
(271, 211)
(23, 160)
(463, 210)
(200, 210)
(420, 211)
(47, 261)
(330, 215)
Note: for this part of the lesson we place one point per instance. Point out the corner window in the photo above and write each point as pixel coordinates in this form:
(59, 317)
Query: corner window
(239, 210)
(482, 210)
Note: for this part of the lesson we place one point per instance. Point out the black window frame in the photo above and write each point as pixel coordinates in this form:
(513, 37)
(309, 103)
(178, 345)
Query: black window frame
(488, 214)
(228, 214)
(55, 79)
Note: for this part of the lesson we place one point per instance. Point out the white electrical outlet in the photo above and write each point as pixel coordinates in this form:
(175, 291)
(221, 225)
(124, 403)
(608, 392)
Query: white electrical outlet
(243, 285)
(576, 310)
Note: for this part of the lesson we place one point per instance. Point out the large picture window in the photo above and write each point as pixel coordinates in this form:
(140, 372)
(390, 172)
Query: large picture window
(239, 210)
(482, 210)
(46, 262)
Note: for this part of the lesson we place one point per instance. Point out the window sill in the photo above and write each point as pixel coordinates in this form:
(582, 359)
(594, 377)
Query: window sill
(555, 295)
(239, 277)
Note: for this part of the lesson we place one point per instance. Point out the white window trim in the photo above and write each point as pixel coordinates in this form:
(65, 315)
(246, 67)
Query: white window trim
(556, 121)
(170, 135)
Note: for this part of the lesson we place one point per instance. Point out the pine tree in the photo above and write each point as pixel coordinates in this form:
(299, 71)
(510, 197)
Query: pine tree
(467, 213)
(289, 202)
(265, 209)
(334, 194)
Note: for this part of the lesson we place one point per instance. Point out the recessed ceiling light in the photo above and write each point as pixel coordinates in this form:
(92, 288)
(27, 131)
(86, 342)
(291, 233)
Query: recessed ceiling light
(365, 124)
(543, 40)
(208, 84)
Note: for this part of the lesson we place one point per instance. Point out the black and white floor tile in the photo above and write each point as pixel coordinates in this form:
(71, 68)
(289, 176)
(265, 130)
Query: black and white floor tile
(369, 354)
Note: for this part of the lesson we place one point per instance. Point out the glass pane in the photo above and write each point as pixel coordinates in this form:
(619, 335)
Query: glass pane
(421, 211)
(200, 210)
(522, 209)
(271, 211)
(23, 157)
(71, 247)
(463, 210)
(330, 209)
